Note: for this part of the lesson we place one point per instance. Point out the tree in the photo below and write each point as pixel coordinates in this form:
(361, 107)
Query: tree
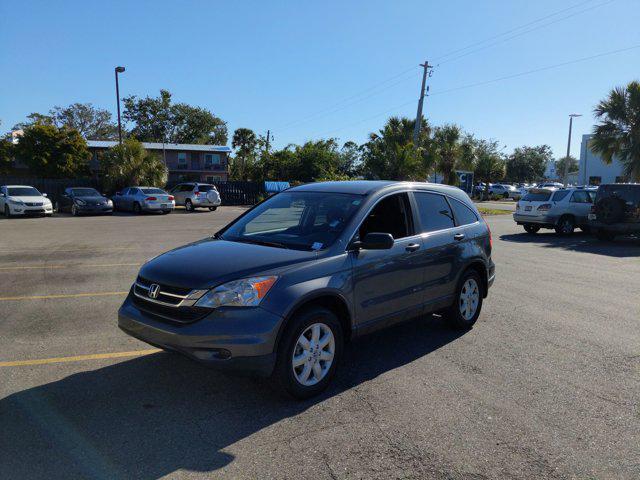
(527, 164)
(572, 167)
(245, 144)
(350, 160)
(91, 122)
(618, 133)
(6, 155)
(489, 164)
(131, 164)
(391, 154)
(53, 152)
(450, 152)
(157, 119)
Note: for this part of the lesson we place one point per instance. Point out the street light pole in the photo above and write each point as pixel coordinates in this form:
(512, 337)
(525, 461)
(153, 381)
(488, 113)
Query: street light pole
(566, 160)
(117, 71)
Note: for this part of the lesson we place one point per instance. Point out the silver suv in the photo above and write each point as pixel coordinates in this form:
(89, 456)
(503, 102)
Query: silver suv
(563, 209)
(196, 195)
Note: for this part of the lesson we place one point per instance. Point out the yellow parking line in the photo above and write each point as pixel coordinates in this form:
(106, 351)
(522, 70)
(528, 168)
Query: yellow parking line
(62, 295)
(97, 265)
(79, 358)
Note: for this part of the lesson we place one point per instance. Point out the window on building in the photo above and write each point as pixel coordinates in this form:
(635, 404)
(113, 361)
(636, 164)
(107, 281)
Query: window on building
(182, 158)
(211, 159)
(214, 178)
(595, 180)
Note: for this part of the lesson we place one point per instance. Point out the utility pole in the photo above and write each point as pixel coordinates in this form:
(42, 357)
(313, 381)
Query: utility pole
(566, 160)
(117, 71)
(425, 73)
(267, 145)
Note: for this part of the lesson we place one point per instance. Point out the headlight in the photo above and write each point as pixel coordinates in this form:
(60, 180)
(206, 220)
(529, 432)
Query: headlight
(108, 202)
(16, 202)
(80, 202)
(247, 292)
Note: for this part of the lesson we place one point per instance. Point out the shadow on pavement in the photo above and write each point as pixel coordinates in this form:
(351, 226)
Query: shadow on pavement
(150, 416)
(621, 247)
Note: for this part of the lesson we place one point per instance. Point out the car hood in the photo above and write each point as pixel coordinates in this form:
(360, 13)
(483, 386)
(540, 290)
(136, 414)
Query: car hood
(28, 199)
(210, 262)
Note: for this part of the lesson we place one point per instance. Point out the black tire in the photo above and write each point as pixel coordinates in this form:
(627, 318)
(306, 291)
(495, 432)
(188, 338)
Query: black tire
(188, 206)
(164, 212)
(213, 209)
(531, 228)
(7, 212)
(74, 210)
(283, 373)
(453, 314)
(604, 235)
(136, 208)
(505, 195)
(566, 225)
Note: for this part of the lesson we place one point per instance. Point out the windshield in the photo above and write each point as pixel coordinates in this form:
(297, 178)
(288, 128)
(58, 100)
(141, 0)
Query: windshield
(300, 220)
(205, 188)
(155, 191)
(23, 192)
(85, 192)
(537, 196)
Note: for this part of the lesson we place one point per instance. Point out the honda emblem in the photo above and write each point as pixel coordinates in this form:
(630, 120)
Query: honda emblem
(154, 289)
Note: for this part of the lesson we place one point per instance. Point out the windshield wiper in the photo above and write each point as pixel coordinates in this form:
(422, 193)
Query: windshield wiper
(263, 242)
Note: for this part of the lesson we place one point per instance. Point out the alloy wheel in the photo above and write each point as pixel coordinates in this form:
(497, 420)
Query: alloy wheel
(469, 299)
(313, 354)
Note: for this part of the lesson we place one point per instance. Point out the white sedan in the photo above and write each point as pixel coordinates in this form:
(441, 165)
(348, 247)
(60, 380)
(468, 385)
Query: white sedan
(24, 200)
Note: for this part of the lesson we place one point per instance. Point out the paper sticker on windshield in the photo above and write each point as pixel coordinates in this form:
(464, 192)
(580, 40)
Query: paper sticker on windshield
(356, 202)
(316, 246)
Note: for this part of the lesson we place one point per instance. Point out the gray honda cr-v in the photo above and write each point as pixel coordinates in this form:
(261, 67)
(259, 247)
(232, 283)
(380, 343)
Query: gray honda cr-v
(282, 288)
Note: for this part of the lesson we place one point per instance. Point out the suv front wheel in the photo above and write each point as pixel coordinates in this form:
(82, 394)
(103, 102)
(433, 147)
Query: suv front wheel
(309, 353)
(566, 225)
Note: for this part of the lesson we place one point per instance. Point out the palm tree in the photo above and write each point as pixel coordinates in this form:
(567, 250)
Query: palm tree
(618, 133)
(451, 152)
(244, 142)
(131, 164)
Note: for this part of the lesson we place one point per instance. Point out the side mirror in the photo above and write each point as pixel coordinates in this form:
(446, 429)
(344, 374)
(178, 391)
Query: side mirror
(44, 194)
(375, 241)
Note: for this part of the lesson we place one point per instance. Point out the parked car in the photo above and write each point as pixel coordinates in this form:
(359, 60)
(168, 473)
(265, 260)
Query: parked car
(562, 210)
(197, 195)
(144, 199)
(506, 191)
(24, 200)
(79, 200)
(550, 185)
(616, 210)
(280, 289)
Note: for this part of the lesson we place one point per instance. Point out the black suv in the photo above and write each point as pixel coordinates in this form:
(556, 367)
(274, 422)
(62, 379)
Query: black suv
(281, 288)
(616, 210)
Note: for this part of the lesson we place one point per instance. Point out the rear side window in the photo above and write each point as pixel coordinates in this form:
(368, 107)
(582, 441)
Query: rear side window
(391, 215)
(560, 195)
(537, 197)
(580, 196)
(434, 212)
(464, 215)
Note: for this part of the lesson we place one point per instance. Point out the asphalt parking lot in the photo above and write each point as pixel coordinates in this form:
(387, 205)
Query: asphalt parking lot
(547, 384)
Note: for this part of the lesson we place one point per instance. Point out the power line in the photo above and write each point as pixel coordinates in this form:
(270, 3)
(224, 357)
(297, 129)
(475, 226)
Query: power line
(525, 32)
(486, 82)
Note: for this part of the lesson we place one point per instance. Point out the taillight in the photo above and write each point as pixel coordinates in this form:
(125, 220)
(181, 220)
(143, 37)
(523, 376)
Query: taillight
(197, 194)
(171, 197)
(544, 207)
(151, 199)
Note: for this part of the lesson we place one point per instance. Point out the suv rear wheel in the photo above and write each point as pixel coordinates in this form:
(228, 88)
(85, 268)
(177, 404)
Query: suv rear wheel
(531, 228)
(566, 225)
(309, 353)
(188, 205)
(466, 309)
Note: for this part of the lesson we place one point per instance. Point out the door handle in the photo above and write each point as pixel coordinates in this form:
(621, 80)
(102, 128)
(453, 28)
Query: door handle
(458, 236)
(412, 247)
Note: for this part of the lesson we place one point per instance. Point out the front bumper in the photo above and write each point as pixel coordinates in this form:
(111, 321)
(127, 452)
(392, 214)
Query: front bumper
(228, 338)
(88, 209)
(543, 220)
(30, 211)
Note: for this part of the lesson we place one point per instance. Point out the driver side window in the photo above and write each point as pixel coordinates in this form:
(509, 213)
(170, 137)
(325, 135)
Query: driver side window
(391, 215)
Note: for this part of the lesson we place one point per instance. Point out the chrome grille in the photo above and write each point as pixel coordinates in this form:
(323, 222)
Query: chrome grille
(165, 294)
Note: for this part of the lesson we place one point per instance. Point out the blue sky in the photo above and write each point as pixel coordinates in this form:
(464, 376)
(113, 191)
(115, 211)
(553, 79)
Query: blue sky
(309, 70)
